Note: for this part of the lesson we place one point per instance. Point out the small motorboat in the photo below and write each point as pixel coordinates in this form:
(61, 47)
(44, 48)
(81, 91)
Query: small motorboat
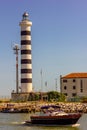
(11, 110)
(52, 115)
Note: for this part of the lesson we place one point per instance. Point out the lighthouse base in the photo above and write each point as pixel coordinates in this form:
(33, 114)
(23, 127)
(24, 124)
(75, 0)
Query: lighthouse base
(32, 96)
(20, 96)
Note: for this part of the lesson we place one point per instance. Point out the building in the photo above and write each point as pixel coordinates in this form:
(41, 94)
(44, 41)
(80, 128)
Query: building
(74, 85)
(26, 56)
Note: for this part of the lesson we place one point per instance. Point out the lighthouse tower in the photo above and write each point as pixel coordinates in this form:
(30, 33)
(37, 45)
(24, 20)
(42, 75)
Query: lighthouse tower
(26, 57)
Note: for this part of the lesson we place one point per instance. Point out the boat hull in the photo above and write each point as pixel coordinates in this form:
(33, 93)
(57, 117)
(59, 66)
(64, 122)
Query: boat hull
(55, 120)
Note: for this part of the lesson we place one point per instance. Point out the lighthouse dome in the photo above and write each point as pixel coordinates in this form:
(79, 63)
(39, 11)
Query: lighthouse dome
(25, 16)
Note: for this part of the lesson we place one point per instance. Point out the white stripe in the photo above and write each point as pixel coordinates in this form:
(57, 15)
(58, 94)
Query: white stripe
(26, 56)
(26, 37)
(26, 47)
(26, 28)
(27, 75)
(25, 24)
(26, 66)
(26, 87)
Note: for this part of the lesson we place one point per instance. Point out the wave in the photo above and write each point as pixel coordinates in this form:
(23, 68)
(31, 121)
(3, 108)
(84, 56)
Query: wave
(11, 123)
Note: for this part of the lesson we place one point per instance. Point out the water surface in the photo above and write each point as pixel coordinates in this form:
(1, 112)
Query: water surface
(9, 121)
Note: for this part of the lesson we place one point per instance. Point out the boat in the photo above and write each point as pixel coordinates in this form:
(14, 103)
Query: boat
(52, 115)
(11, 110)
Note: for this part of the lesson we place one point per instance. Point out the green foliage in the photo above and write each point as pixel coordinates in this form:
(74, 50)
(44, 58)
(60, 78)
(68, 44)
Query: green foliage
(84, 99)
(33, 97)
(49, 96)
(36, 97)
(55, 96)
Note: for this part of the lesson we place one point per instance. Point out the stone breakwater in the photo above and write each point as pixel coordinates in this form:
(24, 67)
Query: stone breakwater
(35, 106)
(73, 107)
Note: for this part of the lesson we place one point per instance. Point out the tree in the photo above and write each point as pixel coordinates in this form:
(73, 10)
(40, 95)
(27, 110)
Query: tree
(55, 96)
(33, 97)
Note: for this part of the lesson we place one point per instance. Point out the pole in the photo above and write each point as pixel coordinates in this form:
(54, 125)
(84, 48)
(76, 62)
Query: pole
(41, 84)
(61, 83)
(56, 84)
(16, 49)
(41, 81)
(17, 71)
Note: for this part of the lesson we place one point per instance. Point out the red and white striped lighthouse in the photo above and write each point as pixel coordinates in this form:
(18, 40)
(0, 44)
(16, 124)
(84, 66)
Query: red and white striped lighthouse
(26, 56)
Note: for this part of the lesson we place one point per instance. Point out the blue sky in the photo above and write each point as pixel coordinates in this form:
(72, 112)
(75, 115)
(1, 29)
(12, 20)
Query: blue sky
(59, 40)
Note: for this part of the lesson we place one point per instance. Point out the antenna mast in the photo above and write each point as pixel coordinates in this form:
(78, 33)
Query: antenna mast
(16, 49)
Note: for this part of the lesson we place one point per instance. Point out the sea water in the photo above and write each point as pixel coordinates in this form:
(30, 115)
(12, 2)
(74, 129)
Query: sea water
(15, 121)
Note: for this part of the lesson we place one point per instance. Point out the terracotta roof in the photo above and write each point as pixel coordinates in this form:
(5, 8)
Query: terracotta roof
(76, 75)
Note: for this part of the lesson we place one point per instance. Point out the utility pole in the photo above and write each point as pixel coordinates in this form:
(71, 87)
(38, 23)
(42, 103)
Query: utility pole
(16, 49)
(41, 84)
(61, 83)
(56, 84)
(41, 81)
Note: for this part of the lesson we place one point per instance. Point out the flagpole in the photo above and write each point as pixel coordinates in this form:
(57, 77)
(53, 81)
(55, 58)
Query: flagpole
(41, 80)
(41, 83)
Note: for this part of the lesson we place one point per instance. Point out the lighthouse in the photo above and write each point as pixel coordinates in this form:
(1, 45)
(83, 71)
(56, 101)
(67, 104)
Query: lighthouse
(26, 56)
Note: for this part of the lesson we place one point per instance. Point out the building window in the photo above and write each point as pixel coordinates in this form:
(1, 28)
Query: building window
(74, 80)
(64, 80)
(81, 90)
(81, 86)
(65, 87)
(65, 94)
(74, 87)
(73, 94)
